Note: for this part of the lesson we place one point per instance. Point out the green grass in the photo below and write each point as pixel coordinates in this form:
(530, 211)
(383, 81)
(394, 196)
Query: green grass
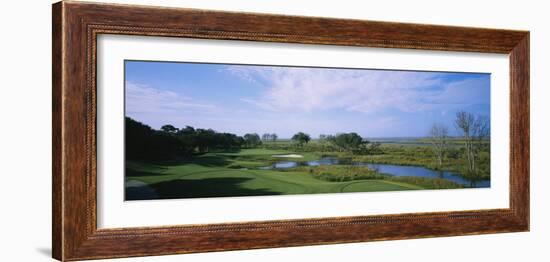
(340, 173)
(379, 185)
(215, 175)
(224, 174)
(426, 183)
(423, 156)
(259, 157)
(415, 153)
(254, 152)
(192, 181)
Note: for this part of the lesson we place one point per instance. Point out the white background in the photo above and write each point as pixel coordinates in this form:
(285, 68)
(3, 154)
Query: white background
(25, 147)
(113, 212)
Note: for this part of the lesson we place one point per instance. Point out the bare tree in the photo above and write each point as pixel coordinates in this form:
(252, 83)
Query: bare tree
(474, 130)
(438, 138)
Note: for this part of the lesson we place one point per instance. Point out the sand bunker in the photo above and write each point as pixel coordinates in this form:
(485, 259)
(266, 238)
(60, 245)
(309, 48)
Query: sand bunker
(289, 156)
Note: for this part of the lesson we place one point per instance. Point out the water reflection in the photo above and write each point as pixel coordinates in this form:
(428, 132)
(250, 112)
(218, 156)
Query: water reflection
(395, 170)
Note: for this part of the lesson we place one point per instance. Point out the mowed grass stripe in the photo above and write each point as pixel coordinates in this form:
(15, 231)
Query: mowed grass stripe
(209, 176)
(376, 185)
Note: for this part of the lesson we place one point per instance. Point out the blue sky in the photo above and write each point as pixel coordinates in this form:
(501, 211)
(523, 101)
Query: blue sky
(284, 100)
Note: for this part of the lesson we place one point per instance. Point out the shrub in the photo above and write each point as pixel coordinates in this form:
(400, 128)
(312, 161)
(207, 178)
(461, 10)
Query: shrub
(340, 173)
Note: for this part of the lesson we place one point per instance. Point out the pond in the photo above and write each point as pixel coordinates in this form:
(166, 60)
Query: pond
(395, 170)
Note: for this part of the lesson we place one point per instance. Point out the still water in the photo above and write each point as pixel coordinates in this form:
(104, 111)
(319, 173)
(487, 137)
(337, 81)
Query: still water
(395, 170)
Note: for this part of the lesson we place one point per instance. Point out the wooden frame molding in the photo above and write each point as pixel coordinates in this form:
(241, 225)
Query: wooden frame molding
(76, 26)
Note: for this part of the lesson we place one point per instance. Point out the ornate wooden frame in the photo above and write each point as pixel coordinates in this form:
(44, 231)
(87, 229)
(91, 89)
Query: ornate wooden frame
(76, 26)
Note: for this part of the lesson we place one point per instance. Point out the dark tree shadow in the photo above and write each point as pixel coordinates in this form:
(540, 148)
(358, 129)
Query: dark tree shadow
(199, 188)
(206, 161)
(211, 161)
(135, 173)
(139, 190)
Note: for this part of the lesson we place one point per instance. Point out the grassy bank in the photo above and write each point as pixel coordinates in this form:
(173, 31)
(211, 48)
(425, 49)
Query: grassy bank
(341, 173)
(220, 174)
(423, 156)
(417, 154)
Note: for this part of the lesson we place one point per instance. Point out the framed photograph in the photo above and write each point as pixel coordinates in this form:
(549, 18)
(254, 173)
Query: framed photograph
(182, 130)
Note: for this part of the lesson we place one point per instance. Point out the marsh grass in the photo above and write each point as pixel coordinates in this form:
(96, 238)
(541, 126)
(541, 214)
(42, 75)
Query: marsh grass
(238, 173)
(340, 173)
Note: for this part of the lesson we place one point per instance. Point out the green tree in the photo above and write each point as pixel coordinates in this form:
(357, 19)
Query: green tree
(252, 140)
(169, 129)
(205, 139)
(144, 143)
(350, 142)
(301, 138)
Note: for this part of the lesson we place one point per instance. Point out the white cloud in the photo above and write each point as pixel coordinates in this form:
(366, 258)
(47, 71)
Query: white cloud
(464, 92)
(142, 99)
(291, 89)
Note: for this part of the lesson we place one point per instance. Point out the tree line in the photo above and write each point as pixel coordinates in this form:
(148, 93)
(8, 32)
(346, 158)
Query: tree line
(269, 137)
(342, 142)
(146, 143)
